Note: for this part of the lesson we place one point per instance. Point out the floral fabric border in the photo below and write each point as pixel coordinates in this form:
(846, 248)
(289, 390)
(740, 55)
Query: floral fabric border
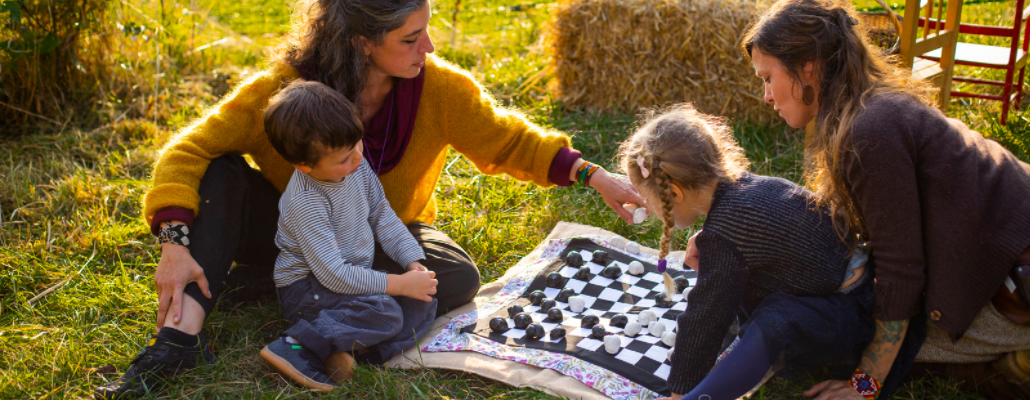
(452, 339)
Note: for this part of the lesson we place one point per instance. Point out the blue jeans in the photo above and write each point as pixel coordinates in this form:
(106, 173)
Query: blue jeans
(327, 322)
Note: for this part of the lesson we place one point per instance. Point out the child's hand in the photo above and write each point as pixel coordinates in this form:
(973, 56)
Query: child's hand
(415, 266)
(419, 285)
(691, 259)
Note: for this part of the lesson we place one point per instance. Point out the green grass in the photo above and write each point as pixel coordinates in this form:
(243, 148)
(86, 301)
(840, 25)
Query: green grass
(70, 201)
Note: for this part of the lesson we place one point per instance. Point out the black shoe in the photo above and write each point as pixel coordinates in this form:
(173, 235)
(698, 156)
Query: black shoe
(297, 363)
(154, 365)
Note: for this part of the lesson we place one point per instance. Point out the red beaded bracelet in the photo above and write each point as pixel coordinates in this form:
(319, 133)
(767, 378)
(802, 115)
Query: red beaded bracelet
(865, 385)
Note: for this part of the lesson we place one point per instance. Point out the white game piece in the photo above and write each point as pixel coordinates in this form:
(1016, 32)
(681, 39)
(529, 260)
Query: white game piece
(639, 215)
(631, 329)
(645, 317)
(576, 303)
(669, 338)
(632, 248)
(618, 242)
(635, 268)
(669, 354)
(612, 344)
(656, 328)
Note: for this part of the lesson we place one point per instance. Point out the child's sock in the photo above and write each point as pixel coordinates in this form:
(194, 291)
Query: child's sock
(177, 337)
(739, 372)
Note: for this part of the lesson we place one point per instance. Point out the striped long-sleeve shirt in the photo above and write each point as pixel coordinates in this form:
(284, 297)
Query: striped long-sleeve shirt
(761, 235)
(330, 230)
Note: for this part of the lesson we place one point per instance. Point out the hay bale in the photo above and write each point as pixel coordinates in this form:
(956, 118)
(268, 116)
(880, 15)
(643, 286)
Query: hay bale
(632, 54)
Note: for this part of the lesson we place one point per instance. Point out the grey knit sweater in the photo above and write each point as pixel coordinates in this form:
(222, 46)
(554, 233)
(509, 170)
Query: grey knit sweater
(761, 235)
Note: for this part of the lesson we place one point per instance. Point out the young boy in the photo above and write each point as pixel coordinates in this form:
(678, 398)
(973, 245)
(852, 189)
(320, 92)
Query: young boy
(332, 214)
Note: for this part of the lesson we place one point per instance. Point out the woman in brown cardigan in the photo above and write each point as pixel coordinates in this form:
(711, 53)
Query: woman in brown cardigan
(946, 212)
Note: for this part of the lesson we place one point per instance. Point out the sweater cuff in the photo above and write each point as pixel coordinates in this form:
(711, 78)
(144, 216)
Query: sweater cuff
(170, 214)
(897, 301)
(561, 165)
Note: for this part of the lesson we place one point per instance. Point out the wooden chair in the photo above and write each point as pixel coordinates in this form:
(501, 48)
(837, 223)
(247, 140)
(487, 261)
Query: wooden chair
(941, 36)
(1009, 58)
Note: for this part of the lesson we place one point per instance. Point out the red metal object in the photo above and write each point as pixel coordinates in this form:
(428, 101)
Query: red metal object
(1010, 59)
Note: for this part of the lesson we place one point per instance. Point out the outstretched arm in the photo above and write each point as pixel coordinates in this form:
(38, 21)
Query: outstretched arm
(876, 362)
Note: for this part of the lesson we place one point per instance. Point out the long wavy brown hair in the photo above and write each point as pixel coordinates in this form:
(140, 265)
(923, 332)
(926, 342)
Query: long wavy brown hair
(325, 43)
(851, 70)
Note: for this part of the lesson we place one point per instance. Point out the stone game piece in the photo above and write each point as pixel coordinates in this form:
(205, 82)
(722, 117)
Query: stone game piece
(662, 301)
(669, 354)
(619, 321)
(576, 303)
(555, 280)
(681, 283)
(618, 242)
(611, 272)
(632, 329)
(536, 297)
(639, 215)
(583, 274)
(547, 305)
(656, 328)
(645, 317)
(669, 338)
(600, 257)
(612, 344)
(535, 331)
(633, 248)
(555, 315)
(635, 268)
(598, 332)
(574, 259)
(557, 333)
(499, 325)
(514, 310)
(564, 294)
(522, 320)
(589, 321)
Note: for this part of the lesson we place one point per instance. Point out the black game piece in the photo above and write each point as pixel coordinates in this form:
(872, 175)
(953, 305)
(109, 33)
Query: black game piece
(564, 294)
(600, 257)
(681, 283)
(574, 259)
(589, 321)
(662, 301)
(536, 297)
(499, 325)
(557, 333)
(535, 331)
(583, 274)
(555, 280)
(547, 305)
(611, 272)
(514, 310)
(522, 321)
(555, 315)
(619, 321)
(598, 332)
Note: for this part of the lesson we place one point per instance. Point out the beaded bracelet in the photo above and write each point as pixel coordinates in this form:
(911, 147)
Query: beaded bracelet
(865, 385)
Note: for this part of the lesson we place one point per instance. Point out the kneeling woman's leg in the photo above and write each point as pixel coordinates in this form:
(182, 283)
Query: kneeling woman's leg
(455, 270)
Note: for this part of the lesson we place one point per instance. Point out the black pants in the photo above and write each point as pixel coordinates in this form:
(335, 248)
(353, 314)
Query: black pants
(237, 221)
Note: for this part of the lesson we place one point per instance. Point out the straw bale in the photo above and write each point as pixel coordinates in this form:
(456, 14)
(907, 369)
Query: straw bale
(633, 54)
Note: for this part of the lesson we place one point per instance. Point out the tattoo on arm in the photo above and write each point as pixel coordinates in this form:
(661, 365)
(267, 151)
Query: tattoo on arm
(880, 355)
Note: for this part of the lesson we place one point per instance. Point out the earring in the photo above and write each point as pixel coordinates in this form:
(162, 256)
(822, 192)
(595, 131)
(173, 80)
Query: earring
(808, 95)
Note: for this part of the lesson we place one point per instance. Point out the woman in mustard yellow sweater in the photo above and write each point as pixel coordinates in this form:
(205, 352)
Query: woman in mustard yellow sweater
(210, 208)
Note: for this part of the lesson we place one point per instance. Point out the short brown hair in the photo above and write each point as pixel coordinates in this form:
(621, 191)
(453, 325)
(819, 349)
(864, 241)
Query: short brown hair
(307, 120)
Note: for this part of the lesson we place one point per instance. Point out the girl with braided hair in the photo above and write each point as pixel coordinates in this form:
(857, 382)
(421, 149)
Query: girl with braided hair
(768, 256)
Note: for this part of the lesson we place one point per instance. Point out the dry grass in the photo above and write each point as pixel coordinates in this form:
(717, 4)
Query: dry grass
(632, 54)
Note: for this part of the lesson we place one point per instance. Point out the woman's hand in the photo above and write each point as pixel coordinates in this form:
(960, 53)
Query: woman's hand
(175, 270)
(616, 192)
(692, 258)
(833, 390)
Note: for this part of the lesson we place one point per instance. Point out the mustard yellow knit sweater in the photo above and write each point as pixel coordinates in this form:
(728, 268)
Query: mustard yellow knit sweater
(454, 111)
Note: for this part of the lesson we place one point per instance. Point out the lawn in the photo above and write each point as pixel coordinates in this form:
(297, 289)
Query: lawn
(77, 299)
